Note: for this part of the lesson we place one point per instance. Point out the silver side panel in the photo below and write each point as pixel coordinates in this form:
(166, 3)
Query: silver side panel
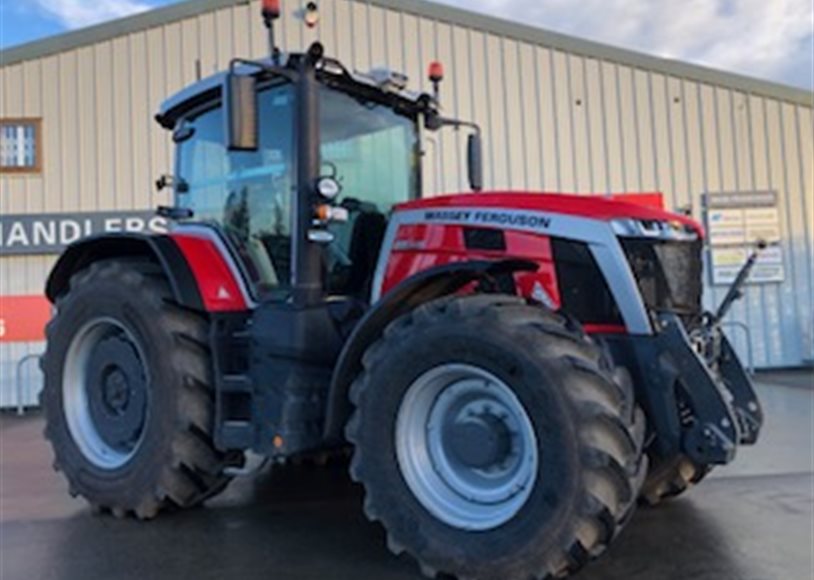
(596, 233)
(614, 265)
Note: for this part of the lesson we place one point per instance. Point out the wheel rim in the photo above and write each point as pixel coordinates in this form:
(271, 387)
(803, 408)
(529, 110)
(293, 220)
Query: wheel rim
(466, 447)
(105, 393)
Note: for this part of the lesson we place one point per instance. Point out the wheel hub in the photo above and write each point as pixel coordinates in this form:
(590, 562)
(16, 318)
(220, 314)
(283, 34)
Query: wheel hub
(480, 442)
(105, 389)
(466, 447)
(116, 391)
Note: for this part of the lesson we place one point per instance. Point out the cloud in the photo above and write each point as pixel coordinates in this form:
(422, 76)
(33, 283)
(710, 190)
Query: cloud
(80, 13)
(763, 38)
(771, 39)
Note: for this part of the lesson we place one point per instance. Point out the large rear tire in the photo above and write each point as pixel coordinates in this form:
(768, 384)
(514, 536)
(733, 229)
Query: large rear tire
(128, 394)
(494, 440)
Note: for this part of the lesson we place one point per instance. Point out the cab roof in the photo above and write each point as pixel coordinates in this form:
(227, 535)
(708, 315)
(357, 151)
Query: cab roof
(382, 80)
(174, 107)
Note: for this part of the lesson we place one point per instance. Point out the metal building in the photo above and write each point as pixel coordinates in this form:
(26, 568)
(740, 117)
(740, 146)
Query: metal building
(80, 150)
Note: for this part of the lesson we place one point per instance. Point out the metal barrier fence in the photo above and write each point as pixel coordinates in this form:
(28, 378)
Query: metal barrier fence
(20, 384)
(749, 351)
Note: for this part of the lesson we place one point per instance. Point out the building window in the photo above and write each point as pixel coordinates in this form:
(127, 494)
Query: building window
(20, 145)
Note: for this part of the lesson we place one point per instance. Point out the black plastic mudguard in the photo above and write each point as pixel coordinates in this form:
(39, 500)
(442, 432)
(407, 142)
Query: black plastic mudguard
(425, 286)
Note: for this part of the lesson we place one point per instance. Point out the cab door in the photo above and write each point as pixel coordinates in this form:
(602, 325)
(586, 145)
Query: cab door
(247, 195)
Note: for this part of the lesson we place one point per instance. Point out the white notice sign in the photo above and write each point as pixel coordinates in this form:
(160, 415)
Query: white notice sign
(735, 224)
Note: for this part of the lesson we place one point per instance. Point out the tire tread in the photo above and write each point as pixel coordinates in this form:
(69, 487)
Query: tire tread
(611, 429)
(196, 469)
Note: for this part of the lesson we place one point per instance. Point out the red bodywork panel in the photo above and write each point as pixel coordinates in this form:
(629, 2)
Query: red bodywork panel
(422, 246)
(219, 288)
(418, 247)
(651, 200)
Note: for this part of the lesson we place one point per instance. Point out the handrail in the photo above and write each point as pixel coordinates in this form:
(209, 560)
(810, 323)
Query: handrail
(18, 381)
(749, 351)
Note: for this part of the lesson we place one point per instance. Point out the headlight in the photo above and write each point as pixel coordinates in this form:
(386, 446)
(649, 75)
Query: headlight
(329, 188)
(661, 230)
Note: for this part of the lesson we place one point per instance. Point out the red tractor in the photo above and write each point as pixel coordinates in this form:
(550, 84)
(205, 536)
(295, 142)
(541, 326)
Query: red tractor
(513, 372)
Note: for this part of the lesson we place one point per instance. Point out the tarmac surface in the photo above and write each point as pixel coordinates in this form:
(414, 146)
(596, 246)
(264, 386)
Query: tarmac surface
(753, 520)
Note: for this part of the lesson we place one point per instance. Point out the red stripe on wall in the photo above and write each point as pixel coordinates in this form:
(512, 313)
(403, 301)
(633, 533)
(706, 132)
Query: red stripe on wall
(23, 318)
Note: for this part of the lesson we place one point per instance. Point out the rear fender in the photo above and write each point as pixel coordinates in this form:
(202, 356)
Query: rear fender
(423, 287)
(157, 248)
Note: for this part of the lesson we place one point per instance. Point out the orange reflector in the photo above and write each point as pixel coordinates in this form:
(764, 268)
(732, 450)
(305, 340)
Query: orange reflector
(323, 212)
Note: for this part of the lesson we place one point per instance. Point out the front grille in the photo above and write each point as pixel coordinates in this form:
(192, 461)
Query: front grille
(584, 292)
(669, 275)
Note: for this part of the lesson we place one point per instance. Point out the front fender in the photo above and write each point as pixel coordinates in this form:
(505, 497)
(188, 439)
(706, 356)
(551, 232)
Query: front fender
(423, 287)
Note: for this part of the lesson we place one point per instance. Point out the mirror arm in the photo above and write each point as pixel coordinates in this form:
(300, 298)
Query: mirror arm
(436, 122)
(458, 124)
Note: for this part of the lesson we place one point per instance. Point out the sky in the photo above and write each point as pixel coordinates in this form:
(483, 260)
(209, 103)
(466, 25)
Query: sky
(769, 39)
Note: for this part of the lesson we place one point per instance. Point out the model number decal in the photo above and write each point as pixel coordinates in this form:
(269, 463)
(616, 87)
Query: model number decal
(509, 219)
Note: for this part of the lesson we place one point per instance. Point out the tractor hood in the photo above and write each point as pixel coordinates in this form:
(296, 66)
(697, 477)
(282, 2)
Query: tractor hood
(640, 207)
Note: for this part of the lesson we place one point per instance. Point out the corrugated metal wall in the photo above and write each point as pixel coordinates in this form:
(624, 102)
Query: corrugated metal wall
(553, 120)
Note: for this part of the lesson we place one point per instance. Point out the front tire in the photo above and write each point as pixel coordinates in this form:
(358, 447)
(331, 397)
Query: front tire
(128, 394)
(671, 478)
(494, 440)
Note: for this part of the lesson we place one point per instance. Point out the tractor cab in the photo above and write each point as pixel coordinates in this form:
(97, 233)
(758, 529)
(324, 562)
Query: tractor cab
(296, 158)
(286, 174)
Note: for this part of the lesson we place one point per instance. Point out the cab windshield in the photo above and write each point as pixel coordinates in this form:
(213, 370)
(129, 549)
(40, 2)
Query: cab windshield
(370, 149)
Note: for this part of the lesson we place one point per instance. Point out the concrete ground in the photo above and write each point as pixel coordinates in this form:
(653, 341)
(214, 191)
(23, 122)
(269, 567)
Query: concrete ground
(750, 521)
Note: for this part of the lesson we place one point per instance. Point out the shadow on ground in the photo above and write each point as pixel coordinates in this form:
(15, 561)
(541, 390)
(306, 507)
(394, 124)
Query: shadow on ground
(302, 523)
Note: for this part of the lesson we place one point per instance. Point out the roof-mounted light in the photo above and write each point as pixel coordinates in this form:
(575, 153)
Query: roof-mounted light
(311, 15)
(436, 71)
(436, 74)
(271, 10)
(388, 80)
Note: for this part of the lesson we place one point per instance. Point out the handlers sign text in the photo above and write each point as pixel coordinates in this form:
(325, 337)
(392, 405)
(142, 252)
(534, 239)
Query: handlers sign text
(22, 235)
(23, 318)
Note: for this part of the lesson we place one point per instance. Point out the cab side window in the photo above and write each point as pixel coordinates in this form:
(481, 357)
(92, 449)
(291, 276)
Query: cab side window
(248, 194)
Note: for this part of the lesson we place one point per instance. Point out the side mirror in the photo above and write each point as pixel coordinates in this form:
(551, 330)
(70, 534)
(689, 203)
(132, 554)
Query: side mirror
(241, 112)
(475, 161)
